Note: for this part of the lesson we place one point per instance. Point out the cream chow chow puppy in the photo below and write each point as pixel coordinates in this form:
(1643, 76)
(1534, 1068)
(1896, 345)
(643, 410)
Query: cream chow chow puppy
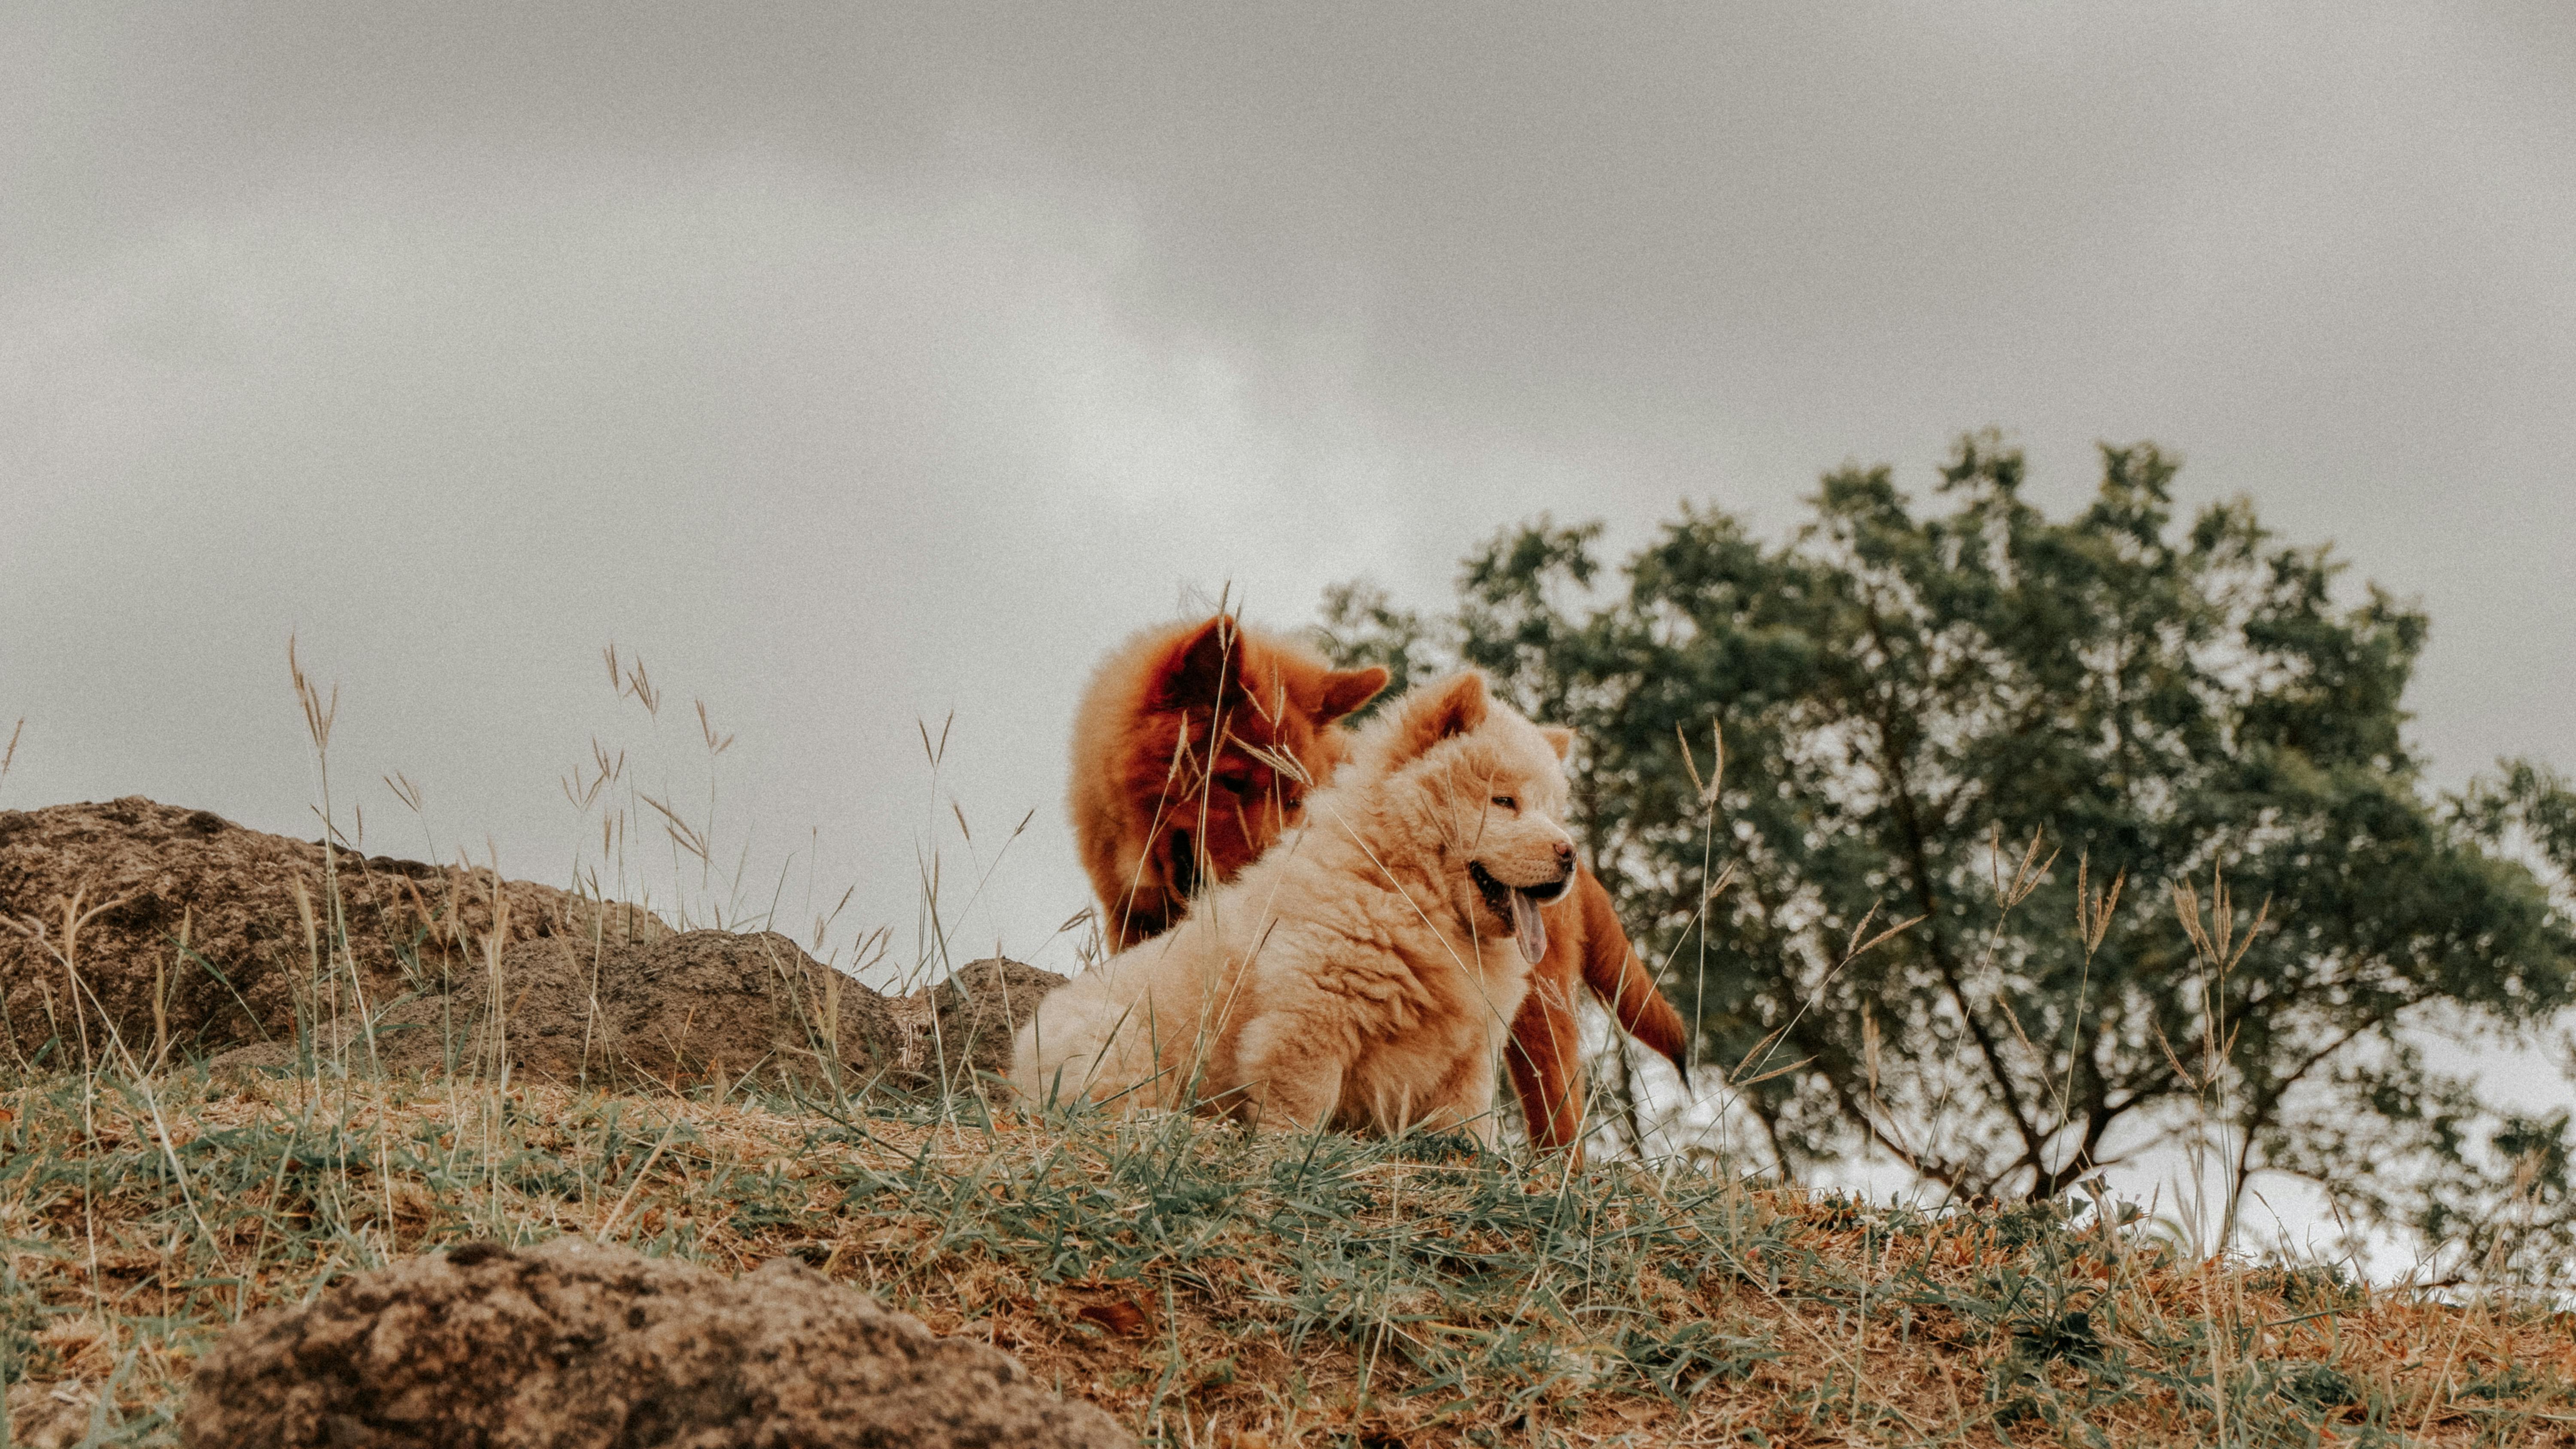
(1362, 973)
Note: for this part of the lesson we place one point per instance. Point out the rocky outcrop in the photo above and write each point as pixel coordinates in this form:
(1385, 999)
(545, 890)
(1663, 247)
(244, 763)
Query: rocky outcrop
(690, 1008)
(186, 932)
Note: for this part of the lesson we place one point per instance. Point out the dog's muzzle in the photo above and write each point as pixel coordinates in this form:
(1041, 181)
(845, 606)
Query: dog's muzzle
(1519, 905)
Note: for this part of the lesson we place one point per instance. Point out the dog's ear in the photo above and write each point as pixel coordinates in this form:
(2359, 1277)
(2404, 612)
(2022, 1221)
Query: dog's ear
(1558, 737)
(1348, 689)
(1210, 659)
(1436, 712)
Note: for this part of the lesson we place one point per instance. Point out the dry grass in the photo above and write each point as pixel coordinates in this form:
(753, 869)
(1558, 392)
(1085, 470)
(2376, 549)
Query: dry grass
(1212, 1287)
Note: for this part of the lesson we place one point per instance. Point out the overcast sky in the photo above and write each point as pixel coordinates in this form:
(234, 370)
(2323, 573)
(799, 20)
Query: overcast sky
(857, 365)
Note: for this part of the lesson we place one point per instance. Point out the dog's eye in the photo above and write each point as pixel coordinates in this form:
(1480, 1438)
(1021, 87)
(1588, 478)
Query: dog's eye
(1234, 784)
(1507, 802)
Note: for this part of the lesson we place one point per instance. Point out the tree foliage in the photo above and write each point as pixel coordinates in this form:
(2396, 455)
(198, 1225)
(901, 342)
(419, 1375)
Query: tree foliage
(1912, 696)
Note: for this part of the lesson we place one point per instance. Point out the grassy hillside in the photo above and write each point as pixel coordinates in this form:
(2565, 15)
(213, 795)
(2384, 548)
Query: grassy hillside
(1217, 1288)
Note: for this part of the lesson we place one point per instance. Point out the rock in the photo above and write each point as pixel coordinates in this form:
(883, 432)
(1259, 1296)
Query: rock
(571, 1344)
(48, 1416)
(608, 994)
(688, 1008)
(203, 945)
(966, 1024)
(709, 1003)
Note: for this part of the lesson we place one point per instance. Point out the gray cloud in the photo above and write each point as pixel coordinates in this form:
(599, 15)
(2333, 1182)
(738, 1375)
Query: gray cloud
(854, 365)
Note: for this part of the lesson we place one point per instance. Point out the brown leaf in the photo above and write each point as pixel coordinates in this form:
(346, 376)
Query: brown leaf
(1123, 1318)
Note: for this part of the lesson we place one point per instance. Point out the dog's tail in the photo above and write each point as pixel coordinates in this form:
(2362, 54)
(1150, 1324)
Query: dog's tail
(1612, 969)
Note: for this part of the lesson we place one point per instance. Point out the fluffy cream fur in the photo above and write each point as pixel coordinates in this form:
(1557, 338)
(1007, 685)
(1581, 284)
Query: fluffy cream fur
(1362, 973)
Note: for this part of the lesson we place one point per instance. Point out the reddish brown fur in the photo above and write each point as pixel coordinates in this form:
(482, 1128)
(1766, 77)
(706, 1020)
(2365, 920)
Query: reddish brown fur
(1177, 752)
(1583, 941)
(1149, 825)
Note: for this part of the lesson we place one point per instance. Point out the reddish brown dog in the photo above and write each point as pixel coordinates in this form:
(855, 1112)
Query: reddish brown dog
(1192, 752)
(1178, 752)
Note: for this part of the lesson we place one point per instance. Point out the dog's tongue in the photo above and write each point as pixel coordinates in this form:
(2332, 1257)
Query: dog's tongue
(1528, 928)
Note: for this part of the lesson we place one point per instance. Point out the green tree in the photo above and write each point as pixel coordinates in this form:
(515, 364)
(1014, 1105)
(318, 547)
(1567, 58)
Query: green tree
(1910, 699)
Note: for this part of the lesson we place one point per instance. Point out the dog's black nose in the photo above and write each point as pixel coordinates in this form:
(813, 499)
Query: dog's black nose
(1565, 858)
